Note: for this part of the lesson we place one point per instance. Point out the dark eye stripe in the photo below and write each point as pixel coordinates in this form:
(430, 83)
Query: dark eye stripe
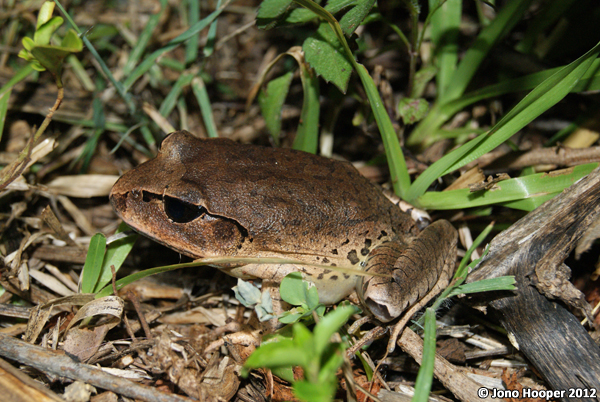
(181, 211)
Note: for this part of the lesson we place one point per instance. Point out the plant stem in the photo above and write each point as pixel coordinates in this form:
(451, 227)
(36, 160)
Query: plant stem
(14, 170)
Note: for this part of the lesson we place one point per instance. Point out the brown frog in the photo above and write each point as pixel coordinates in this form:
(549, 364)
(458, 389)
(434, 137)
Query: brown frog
(217, 198)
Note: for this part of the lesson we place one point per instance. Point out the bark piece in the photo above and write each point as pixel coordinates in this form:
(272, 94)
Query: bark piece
(533, 250)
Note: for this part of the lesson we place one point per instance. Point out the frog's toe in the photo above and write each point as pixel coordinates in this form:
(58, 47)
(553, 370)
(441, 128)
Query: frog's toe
(406, 273)
(380, 293)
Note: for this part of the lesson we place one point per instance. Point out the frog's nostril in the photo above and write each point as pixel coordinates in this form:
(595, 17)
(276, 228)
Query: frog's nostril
(181, 211)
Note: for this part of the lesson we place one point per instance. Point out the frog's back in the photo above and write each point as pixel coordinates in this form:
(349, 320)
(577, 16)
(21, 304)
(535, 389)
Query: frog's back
(283, 190)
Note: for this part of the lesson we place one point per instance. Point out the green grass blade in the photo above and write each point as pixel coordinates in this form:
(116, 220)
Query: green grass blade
(543, 97)
(142, 41)
(445, 25)
(199, 90)
(307, 136)
(438, 168)
(3, 108)
(529, 204)
(396, 162)
(211, 36)
(550, 13)
(149, 61)
(441, 113)
(170, 101)
(93, 263)
(107, 290)
(81, 73)
(425, 376)
(544, 185)
(485, 285)
(120, 89)
(115, 255)
(393, 152)
(467, 68)
(462, 270)
(20, 75)
(505, 20)
(191, 47)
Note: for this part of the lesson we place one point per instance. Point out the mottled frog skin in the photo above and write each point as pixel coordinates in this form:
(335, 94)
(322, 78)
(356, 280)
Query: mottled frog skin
(217, 198)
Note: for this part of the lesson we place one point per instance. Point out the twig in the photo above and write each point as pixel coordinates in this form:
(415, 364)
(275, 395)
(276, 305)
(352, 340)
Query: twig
(560, 156)
(138, 308)
(453, 379)
(61, 365)
(14, 170)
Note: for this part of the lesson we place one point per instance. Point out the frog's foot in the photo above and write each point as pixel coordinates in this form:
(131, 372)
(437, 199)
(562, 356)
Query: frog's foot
(412, 271)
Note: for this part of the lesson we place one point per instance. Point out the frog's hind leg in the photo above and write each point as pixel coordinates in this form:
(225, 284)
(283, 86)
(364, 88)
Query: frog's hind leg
(415, 272)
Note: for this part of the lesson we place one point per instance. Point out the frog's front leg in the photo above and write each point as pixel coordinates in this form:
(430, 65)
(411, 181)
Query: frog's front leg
(417, 269)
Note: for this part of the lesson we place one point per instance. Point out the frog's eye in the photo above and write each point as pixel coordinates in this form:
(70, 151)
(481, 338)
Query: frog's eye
(181, 211)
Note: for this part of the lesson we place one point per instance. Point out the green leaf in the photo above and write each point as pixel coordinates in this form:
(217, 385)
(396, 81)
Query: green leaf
(72, 41)
(326, 55)
(330, 324)
(28, 43)
(314, 392)
(331, 361)
(292, 316)
(312, 297)
(412, 110)
(271, 102)
(270, 11)
(294, 290)
(273, 355)
(44, 33)
(286, 373)
(45, 13)
(93, 263)
(264, 309)
(51, 57)
(246, 293)
(355, 16)
(303, 338)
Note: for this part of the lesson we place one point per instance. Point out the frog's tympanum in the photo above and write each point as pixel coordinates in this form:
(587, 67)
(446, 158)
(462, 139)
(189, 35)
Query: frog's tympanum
(217, 198)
